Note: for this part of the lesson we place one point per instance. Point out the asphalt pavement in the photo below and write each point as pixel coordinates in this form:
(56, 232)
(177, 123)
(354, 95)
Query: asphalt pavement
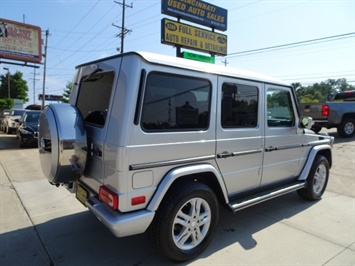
(41, 224)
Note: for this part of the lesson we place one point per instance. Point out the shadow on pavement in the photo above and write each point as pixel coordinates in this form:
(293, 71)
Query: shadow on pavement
(80, 239)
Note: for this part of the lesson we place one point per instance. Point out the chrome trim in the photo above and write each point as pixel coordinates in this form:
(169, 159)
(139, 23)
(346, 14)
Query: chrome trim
(278, 148)
(171, 162)
(241, 153)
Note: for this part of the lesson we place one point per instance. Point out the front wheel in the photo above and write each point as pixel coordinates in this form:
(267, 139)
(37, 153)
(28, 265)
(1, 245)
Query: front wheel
(316, 129)
(346, 129)
(317, 179)
(186, 221)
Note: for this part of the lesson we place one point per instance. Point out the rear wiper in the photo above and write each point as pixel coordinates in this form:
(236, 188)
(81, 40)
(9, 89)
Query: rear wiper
(97, 69)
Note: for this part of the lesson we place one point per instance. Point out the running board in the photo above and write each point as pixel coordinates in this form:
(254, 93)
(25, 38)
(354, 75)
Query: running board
(246, 202)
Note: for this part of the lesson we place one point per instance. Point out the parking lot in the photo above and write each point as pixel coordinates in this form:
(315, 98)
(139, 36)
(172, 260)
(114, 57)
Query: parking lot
(44, 225)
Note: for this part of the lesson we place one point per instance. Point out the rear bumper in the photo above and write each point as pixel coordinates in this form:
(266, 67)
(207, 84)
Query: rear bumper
(120, 224)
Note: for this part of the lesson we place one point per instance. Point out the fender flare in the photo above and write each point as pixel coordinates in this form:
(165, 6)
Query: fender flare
(312, 155)
(176, 173)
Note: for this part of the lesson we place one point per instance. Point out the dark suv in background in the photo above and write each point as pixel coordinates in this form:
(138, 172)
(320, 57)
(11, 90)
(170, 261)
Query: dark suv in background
(27, 131)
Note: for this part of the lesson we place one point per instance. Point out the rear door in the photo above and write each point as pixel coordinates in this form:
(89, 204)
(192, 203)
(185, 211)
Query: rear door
(94, 98)
(239, 133)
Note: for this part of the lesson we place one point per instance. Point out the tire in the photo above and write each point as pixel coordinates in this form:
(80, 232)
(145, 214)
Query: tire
(316, 129)
(19, 143)
(317, 180)
(346, 129)
(7, 130)
(176, 224)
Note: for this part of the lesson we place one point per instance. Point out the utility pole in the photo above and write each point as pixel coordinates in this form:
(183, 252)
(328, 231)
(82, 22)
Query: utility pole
(44, 69)
(34, 85)
(225, 62)
(124, 31)
(8, 81)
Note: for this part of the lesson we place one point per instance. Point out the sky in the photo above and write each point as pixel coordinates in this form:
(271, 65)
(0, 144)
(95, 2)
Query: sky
(313, 40)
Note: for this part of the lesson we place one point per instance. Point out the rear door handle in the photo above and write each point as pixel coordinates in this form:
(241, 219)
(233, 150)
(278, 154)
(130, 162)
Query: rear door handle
(224, 154)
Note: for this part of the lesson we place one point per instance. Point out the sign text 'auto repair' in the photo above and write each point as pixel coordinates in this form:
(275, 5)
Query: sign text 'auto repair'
(176, 33)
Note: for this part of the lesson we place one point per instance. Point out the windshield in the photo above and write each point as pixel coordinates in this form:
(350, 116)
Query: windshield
(31, 117)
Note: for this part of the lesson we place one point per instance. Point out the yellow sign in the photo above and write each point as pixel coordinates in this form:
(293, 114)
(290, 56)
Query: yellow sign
(179, 34)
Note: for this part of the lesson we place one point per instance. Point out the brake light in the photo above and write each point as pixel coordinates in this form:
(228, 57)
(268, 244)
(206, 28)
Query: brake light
(109, 197)
(325, 110)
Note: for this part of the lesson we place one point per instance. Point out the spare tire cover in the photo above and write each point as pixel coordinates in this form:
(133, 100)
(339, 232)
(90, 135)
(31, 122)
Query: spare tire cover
(62, 143)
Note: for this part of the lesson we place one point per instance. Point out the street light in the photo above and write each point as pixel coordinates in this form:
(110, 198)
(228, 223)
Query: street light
(8, 81)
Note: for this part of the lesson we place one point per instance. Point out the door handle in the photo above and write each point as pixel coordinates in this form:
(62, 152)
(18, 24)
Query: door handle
(271, 148)
(224, 154)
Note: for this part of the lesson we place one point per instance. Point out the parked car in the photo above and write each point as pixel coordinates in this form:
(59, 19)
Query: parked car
(162, 143)
(11, 120)
(339, 113)
(27, 131)
(3, 114)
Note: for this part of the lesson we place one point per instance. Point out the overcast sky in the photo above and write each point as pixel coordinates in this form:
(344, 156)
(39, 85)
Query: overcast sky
(82, 31)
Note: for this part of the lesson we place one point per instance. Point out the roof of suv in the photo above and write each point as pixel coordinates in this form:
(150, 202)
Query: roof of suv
(197, 66)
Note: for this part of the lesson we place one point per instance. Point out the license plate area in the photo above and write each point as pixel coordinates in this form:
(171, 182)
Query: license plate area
(81, 194)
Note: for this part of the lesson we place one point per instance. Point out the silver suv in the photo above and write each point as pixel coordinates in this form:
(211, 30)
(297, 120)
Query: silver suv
(161, 142)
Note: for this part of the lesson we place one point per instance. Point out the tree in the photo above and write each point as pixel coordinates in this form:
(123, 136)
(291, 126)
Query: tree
(6, 103)
(321, 92)
(67, 91)
(18, 87)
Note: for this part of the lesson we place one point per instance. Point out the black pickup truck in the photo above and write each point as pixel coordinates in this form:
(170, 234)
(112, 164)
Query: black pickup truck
(339, 113)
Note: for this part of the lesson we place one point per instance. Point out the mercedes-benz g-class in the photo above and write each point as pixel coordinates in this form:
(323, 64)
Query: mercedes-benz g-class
(152, 141)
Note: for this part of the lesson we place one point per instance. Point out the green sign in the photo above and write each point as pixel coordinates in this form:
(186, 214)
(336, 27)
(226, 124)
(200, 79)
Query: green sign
(197, 57)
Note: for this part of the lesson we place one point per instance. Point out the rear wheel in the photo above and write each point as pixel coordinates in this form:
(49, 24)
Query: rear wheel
(186, 221)
(317, 179)
(346, 129)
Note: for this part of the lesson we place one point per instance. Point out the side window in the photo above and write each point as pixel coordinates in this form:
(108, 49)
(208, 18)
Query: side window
(94, 97)
(239, 108)
(279, 108)
(175, 103)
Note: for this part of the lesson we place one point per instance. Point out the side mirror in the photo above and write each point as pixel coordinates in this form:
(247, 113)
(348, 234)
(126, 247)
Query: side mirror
(306, 122)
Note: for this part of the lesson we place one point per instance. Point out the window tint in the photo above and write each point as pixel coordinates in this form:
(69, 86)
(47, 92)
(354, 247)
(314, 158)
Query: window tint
(175, 102)
(94, 97)
(279, 108)
(239, 106)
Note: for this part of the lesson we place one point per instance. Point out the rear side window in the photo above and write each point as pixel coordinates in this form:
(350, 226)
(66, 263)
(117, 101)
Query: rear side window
(175, 103)
(239, 106)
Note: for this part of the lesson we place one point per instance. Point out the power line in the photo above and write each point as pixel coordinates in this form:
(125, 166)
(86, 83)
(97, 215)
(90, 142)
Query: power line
(295, 44)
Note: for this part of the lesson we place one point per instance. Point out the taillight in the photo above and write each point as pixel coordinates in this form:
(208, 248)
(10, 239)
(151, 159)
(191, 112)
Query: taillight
(109, 197)
(325, 110)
